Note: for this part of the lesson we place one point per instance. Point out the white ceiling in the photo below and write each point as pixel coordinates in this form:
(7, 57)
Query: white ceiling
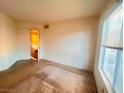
(51, 10)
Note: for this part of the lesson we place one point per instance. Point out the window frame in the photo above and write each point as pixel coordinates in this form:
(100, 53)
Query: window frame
(103, 50)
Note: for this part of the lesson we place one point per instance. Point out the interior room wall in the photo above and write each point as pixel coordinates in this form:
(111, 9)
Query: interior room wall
(71, 42)
(99, 79)
(24, 39)
(8, 42)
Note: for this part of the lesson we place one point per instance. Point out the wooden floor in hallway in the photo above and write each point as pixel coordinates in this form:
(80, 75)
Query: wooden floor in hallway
(27, 76)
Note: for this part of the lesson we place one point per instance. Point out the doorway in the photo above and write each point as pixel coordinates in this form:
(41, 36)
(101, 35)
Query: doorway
(34, 44)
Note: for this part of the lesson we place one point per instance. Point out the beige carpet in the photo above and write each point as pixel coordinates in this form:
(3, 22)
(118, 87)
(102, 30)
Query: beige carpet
(54, 80)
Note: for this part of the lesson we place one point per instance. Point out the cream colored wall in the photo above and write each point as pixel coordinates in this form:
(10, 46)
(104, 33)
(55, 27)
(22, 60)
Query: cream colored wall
(8, 42)
(101, 85)
(24, 39)
(71, 42)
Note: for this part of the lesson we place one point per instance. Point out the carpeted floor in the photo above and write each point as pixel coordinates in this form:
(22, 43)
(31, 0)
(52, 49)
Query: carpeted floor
(53, 79)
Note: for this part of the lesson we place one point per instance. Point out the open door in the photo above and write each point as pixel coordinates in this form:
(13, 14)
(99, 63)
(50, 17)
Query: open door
(34, 43)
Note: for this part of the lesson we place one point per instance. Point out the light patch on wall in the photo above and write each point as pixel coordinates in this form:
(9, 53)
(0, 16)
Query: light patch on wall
(71, 43)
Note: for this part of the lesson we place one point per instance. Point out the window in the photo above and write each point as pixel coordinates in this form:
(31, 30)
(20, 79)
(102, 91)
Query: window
(111, 54)
(110, 60)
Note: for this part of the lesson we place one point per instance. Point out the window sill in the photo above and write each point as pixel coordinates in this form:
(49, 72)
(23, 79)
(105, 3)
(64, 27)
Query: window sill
(107, 84)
